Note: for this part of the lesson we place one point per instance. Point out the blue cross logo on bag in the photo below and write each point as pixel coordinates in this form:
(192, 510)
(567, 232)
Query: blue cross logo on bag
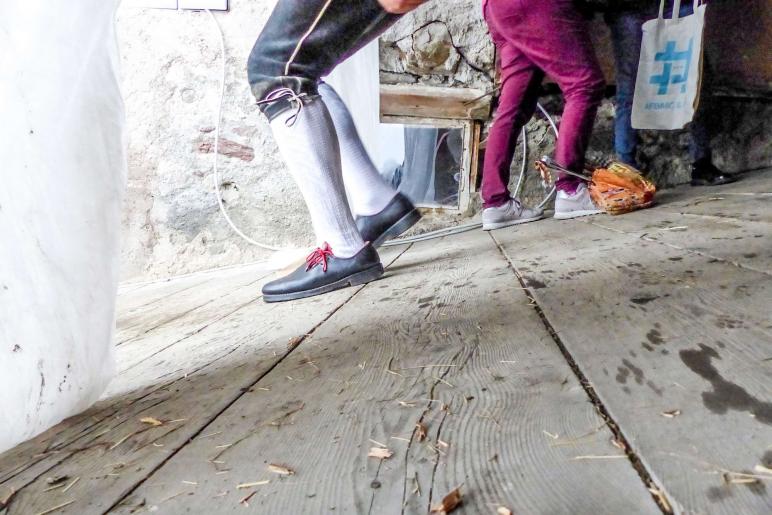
(673, 62)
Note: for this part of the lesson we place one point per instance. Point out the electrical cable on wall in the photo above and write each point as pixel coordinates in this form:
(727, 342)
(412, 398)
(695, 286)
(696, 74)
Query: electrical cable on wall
(440, 233)
(216, 174)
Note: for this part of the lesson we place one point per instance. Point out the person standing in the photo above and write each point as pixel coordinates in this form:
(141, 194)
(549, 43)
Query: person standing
(625, 18)
(534, 38)
(300, 44)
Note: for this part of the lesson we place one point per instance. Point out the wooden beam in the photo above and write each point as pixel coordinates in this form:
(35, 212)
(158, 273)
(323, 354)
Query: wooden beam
(434, 102)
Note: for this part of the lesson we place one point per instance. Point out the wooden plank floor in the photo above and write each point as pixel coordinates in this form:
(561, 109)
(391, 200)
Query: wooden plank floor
(561, 367)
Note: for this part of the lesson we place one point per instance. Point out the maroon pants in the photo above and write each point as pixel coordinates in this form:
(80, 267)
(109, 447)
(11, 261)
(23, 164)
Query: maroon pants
(534, 37)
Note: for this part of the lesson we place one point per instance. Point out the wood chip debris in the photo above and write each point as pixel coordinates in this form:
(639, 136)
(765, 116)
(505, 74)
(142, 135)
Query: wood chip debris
(380, 453)
(71, 484)
(442, 443)
(119, 442)
(286, 417)
(671, 414)
(762, 469)
(592, 457)
(450, 502)
(281, 470)
(5, 500)
(420, 431)
(503, 511)
(618, 444)
(294, 342)
(442, 381)
(250, 485)
(55, 508)
(660, 495)
(245, 500)
(743, 481)
(551, 435)
(152, 421)
(56, 480)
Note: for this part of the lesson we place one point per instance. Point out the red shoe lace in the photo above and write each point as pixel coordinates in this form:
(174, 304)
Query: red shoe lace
(319, 256)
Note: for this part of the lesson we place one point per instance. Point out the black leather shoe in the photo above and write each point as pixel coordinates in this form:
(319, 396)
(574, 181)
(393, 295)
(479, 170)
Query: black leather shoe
(323, 273)
(397, 217)
(704, 173)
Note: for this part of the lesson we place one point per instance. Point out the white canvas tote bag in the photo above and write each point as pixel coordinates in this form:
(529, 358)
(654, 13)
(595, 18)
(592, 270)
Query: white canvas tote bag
(667, 89)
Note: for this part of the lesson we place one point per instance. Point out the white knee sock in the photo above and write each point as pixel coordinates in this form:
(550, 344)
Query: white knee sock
(310, 149)
(368, 192)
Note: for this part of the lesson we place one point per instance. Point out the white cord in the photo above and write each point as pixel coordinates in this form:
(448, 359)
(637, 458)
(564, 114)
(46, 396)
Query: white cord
(440, 233)
(216, 174)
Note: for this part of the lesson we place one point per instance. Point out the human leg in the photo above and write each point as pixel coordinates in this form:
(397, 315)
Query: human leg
(626, 36)
(303, 41)
(554, 36)
(381, 213)
(520, 81)
(368, 192)
(704, 172)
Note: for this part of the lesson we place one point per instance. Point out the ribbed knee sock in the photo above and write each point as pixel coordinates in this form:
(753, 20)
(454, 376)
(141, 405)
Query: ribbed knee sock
(311, 151)
(368, 192)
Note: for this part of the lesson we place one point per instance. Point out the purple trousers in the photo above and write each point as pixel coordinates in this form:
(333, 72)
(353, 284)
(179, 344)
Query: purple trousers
(534, 38)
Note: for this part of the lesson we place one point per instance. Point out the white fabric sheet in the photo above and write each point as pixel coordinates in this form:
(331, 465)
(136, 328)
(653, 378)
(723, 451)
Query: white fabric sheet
(62, 163)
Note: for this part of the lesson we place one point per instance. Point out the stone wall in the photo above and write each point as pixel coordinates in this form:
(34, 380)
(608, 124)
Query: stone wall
(435, 46)
(171, 74)
(171, 69)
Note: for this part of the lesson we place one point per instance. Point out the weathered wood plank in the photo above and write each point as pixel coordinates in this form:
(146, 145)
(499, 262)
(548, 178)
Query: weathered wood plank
(657, 329)
(202, 291)
(749, 199)
(740, 242)
(116, 452)
(448, 339)
(434, 102)
(138, 303)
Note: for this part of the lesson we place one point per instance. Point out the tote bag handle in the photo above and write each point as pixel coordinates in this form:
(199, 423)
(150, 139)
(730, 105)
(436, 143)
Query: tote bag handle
(676, 8)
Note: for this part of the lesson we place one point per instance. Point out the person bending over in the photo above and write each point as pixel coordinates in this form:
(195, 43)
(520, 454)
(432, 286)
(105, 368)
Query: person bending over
(625, 18)
(534, 38)
(300, 44)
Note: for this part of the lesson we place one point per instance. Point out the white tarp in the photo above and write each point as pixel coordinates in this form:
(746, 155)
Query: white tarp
(62, 164)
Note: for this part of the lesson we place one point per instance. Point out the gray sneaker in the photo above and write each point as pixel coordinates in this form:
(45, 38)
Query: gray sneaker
(511, 213)
(576, 205)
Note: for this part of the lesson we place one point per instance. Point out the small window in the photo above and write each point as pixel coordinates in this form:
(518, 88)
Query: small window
(441, 142)
(214, 5)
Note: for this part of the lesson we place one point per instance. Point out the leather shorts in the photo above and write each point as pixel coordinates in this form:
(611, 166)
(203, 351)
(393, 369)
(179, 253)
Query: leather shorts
(303, 41)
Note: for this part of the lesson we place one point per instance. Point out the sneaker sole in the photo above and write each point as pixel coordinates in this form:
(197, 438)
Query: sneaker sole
(363, 277)
(402, 225)
(510, 223)
(578, 214)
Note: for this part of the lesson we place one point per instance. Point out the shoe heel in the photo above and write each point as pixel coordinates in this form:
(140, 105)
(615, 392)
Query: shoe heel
(404, 223)
(366, 276)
